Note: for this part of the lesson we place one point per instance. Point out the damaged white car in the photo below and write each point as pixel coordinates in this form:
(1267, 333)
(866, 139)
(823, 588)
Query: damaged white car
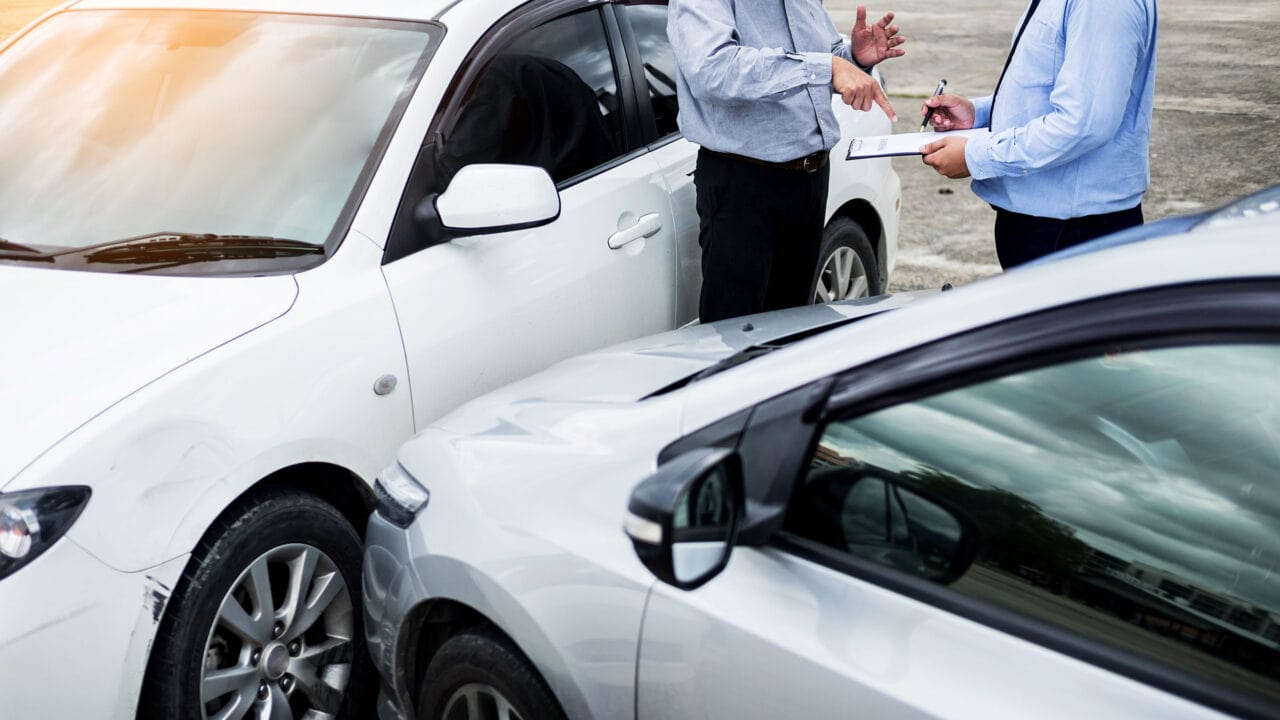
(249, 246)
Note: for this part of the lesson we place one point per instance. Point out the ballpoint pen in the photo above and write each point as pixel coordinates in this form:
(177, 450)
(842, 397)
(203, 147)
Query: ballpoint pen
(941, 87)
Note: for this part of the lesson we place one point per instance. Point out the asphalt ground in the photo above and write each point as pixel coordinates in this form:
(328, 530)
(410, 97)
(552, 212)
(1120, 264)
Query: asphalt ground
(1216, 132)
(1215, 137)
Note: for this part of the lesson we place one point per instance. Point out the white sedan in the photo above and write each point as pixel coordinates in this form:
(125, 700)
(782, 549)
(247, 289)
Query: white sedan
(1051, 494)
(248, 248)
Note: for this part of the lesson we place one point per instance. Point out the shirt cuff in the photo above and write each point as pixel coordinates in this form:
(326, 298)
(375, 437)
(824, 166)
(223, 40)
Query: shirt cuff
(982, 112)
(817, 68)
(977, 156)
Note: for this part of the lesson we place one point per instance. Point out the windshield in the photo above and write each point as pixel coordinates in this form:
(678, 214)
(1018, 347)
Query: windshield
(117, 125)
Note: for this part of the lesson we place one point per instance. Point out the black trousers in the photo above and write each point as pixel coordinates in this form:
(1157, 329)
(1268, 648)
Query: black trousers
(761, 230)
(1023, 238)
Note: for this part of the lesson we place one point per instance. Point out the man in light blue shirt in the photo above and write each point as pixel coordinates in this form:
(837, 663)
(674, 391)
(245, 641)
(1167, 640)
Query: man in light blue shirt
(754, 80)
(1067, 157)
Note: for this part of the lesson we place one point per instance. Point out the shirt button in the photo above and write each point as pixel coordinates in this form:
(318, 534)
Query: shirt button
(812, 76)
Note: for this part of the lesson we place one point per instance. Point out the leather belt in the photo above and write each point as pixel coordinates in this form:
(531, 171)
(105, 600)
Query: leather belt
(809, 163)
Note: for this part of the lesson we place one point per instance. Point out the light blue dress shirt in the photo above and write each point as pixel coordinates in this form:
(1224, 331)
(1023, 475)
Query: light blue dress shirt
(754, 76)
(1072, 123)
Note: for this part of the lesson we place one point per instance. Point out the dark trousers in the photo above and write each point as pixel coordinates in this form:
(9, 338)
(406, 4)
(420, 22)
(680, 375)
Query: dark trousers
(1023, 238)
(761, 230)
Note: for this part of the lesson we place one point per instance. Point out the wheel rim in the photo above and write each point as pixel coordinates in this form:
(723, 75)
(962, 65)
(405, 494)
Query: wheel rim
(843, 277)
(281, 645)
(478, 701)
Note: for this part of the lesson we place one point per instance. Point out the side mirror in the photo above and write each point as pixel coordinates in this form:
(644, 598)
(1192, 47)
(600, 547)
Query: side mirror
(683, 520)
(889, 519)
(484, 199)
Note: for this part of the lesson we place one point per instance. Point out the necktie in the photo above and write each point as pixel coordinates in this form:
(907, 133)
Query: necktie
(1025, 22)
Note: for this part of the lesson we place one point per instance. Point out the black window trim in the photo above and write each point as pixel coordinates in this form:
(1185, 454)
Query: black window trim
(643, 103)
(1181, 315)
(404, 238)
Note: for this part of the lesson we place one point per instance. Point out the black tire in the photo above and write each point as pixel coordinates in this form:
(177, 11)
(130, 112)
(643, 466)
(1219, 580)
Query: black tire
(274, 519)
(842, 232)
(481, 656)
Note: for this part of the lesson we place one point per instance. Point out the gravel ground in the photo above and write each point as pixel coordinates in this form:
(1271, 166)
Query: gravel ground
(1215, 129)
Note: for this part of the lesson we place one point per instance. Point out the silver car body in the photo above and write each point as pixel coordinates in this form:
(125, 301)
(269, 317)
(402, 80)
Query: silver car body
(529, 487)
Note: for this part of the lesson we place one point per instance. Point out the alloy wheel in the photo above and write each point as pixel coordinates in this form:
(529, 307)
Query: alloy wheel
(843, 276)
(281, 645)
(479, 701)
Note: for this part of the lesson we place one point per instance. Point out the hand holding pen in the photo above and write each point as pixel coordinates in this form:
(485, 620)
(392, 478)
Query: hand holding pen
(947, 112)
(928, 115)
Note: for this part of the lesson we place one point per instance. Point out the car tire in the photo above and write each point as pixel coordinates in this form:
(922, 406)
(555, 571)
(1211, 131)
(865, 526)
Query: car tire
(480, 665)
(847, 265)
(296, 656)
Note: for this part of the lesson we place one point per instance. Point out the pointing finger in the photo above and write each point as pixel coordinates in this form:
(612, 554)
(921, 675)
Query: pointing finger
(883, 102)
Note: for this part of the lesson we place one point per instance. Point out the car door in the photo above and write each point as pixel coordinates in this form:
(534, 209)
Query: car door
(477, 312)
(644, 29)
(1008, 524)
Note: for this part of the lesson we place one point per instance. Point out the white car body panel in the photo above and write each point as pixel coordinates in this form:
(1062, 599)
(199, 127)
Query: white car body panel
(179, 451)
(546, 274)
(81, 342)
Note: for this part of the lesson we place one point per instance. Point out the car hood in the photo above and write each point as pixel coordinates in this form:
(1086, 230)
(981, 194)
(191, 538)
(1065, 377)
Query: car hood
(76, 343)
(654, 365)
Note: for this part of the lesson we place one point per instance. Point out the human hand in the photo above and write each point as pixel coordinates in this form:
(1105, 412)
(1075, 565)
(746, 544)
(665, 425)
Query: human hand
(857, 89)
(872, 44)
(951, 112)
(947, 157)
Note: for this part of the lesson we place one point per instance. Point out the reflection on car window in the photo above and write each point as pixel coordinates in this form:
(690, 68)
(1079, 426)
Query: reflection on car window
(1131, 499)
(121, 124)
(650, 25)
(550, 99)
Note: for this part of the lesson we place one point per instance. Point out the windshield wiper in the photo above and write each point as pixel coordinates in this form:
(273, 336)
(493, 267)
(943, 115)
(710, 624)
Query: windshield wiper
(10, 250)
(8, 246)
(191, 248)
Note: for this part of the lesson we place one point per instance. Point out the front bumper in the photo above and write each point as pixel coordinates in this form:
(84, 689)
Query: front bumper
(74, 635)
(391, 591)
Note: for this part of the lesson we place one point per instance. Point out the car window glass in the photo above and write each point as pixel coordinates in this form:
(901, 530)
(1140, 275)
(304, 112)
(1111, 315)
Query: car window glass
(549, 99)
(649, 22)
(1131, 499)
(133, 123)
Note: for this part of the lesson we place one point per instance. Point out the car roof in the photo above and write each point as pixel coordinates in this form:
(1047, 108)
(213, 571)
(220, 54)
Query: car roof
(1234, 250)
(417, 10)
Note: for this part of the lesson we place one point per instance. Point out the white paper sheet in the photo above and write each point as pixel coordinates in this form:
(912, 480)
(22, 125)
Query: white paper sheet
(900, 145)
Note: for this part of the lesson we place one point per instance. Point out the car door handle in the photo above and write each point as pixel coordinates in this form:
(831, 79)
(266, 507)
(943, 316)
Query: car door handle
(646, 226)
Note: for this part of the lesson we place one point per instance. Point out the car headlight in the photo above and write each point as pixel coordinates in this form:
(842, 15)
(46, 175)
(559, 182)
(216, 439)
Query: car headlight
(31, 521)
(400, 496)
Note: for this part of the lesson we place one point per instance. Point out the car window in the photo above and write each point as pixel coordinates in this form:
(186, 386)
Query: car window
(136, 123)
(1131, 499)
(549, 99)
(649, 22)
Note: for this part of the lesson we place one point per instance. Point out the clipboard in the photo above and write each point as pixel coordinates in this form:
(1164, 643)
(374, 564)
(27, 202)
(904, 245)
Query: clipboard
(901, 145)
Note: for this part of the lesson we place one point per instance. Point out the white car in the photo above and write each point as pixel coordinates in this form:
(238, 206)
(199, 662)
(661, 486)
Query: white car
(249, 247)
(1050, 494)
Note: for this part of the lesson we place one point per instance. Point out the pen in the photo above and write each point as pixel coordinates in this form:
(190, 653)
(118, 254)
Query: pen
(941, 87)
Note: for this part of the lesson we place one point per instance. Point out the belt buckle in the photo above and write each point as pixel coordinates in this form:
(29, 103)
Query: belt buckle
(811, 163)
